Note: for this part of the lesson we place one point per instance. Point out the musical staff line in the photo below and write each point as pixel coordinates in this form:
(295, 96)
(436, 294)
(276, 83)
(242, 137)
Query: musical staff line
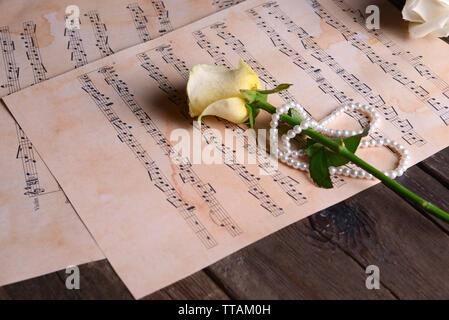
(206, 191)
(162, 17)
(287, 183)
(415, 61)
(140, 21)
(240, 49)
(230, 160)
(308, 42)
(100, 33)
(25, 150)
(369, 95)
(157, 177)
(237, 45)
(32, 51)
(9, 61)
(389, 68)
(223, 4)
(76, 48)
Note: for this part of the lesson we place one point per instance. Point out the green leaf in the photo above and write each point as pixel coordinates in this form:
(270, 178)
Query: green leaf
(318, 167)
(281, 87)
(335, 160)
(310, 142)
(312, 147)
(295, 115)
(252, 96)
(351, 143)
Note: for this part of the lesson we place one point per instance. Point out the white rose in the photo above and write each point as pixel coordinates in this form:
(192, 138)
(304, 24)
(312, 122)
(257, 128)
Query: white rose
(215, 91)
(427, 17)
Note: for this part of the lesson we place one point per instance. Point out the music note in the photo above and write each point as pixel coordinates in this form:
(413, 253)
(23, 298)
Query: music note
(140, 21)
(156, 176)
(100, 33)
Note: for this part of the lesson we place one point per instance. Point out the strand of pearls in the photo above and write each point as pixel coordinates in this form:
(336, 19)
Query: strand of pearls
(290, 157)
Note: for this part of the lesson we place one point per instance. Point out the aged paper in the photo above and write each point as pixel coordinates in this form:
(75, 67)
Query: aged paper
(40, 232)
(104, 129)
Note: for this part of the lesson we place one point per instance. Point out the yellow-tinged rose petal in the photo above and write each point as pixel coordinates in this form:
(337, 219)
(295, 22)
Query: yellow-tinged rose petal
(231, 109)
(208, 84)
(427, 17)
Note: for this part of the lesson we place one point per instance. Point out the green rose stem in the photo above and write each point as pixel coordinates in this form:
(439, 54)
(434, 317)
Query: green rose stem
(342, 151)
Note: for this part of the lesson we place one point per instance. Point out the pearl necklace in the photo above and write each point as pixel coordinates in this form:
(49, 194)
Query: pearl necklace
(290, 157)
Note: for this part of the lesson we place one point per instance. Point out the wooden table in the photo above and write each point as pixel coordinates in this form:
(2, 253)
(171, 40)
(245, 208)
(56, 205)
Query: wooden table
(321, 257)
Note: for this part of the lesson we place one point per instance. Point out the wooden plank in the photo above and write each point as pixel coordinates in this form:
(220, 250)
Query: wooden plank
(99, 281)
(45, 287)
(438, 166)
(430, 188)
(294, 263)
(377, 227)
(198, 286)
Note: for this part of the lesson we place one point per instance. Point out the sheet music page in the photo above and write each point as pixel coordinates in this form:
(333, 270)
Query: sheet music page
(41, 232)
(104, 129)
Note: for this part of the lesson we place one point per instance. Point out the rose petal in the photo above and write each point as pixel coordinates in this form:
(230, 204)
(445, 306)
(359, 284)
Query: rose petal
(231, 109)
(438, 27)
(208, 84)
(427, 17)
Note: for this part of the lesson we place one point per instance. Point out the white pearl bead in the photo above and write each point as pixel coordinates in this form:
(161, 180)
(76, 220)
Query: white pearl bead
(291, 134)
(304, 125)
(321, 126)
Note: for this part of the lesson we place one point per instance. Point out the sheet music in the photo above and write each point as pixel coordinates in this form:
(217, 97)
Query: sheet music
(158, 217)
(42, 232)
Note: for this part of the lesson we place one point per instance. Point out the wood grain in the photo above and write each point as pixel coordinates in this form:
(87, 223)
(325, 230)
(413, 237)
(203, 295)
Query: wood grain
(294, 263)
(99, 281)
(322, 257)
(378, 227)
